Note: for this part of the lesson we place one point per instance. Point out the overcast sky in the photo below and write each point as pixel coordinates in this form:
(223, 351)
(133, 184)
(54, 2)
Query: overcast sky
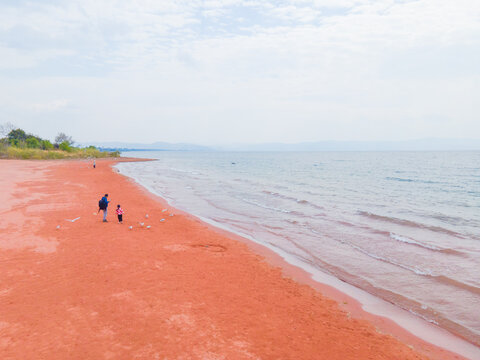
(233, 71)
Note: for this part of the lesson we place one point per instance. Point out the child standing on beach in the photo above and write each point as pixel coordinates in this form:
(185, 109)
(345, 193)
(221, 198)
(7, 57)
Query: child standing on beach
(120, 214)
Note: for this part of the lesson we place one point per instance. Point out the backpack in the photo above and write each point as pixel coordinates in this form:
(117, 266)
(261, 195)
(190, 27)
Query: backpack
(102, 205)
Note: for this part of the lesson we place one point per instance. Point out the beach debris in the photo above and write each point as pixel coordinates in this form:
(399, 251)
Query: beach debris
(141, 224)
(73, 219)
(130, 227)
(164, 210)
(170, 215)
(148, 226)
(161, 220)
(95, 214)
(146, 216)
(58, 227)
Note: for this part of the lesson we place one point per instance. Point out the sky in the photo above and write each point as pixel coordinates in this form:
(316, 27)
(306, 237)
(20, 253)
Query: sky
(241, 71)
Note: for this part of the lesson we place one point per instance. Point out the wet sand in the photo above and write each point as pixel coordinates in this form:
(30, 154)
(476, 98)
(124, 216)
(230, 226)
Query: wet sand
(179, 290)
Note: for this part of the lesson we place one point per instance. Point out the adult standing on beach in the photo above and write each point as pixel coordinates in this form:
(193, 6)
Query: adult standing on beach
(103, 205)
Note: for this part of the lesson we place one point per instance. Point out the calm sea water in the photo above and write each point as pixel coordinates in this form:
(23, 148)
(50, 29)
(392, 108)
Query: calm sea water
(404, 226)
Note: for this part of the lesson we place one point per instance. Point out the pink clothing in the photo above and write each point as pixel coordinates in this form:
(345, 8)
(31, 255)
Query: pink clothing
(119, 211)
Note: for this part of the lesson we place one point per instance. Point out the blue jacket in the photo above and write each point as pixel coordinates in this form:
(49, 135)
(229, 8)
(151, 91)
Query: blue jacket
(104, 199)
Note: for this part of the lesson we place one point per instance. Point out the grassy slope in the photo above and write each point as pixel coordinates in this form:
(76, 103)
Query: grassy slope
(12, 152)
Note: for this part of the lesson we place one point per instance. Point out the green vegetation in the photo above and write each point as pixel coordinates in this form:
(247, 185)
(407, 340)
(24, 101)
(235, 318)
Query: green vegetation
(65, 146)
(32, 143)
(17, 144)
(47, 145)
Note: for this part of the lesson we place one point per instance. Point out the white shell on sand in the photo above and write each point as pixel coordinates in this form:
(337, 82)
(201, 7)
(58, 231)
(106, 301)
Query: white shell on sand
(130, 227)
(148, 227)
(146, 216)
(58, 227)
(162, 219)
(141, 224)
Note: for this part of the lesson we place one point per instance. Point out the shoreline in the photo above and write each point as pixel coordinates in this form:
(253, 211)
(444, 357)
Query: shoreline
(105, 291)
(387, 317)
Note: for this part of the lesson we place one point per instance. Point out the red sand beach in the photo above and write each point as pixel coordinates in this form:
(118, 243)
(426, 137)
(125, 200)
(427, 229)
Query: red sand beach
(179, 290)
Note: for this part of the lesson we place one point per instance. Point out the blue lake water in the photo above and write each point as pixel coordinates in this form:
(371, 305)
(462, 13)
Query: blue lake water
(404, 226)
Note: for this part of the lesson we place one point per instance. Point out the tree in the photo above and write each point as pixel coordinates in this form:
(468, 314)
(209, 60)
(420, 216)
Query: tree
(32, 142)
(5, 129)
(62, 137)
(17, 134)
(65, 146)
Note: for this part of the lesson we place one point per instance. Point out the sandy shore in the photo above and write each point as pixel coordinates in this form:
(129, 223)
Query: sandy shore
(179, 290)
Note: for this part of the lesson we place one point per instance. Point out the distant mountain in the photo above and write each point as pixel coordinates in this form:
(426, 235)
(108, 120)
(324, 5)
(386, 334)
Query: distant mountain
(409, 145)
(158, 146)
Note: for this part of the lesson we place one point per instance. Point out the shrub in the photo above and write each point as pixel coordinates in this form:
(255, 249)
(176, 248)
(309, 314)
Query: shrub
(17, 143)
(54, 155)
(32, 143)
(3, 149)
(47, 145)
(65, 146)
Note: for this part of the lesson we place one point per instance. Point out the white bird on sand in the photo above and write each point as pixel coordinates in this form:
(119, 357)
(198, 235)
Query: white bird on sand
(146, 216)
(141, 224)
(58, 227)
(130, 227)
(73, 219)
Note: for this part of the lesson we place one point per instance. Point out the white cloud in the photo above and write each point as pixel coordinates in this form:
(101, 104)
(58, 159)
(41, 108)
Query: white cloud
(342, 69)
(49, 106)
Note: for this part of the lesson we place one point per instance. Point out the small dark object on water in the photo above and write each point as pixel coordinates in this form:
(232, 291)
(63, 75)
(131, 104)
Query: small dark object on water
(233, 163)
